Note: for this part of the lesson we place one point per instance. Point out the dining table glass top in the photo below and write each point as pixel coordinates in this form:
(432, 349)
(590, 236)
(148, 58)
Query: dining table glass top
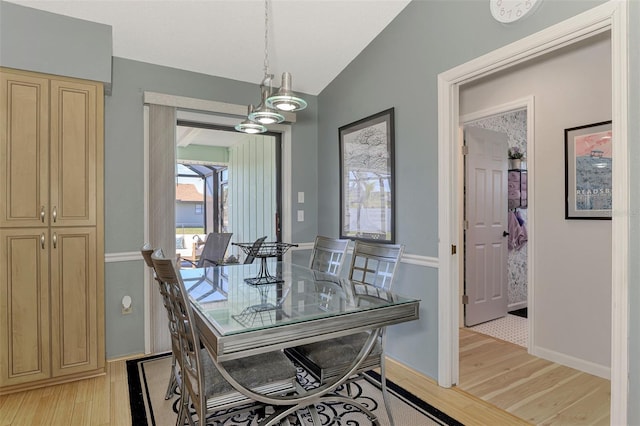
(228, 298)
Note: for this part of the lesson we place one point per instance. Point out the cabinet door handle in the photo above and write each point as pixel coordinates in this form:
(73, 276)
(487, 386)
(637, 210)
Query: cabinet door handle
(55, 240)
(55, 213)
(42, 213)
(42, 240)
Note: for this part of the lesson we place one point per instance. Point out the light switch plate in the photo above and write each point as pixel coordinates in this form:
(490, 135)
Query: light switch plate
(301, 197)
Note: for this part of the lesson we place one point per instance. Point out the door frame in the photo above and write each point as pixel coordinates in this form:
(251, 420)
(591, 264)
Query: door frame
(611, 16)
(222, 114)
(526, 103)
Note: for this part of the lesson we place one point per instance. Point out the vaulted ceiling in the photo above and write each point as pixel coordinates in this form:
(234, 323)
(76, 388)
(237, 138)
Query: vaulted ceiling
(313, 39)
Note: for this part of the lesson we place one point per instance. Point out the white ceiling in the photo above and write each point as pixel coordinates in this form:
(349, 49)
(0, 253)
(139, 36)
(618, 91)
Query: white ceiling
(313, 39)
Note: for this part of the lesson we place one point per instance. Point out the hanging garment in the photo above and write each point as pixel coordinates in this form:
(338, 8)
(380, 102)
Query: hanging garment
(517, 234)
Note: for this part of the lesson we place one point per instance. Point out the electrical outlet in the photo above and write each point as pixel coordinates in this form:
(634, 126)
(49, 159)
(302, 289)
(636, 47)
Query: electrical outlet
(127, 305)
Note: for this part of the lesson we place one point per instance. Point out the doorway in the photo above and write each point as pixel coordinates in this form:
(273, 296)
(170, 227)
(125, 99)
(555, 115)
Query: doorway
(226, 182)
(611, 16)
(161, 113)
(511, 323)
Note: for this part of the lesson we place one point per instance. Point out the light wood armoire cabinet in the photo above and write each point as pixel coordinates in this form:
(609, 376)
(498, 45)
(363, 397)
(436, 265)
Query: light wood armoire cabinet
(51, 229)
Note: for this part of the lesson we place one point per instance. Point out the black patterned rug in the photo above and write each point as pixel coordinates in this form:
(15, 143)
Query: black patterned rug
(148, 378)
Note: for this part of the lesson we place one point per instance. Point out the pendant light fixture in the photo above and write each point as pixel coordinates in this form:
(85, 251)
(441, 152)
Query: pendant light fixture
(250, 126)
(284, 100)
(263, 114)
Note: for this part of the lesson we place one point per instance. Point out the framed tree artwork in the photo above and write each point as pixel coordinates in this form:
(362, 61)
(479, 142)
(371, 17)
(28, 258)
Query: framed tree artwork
(588, 161)
(367, 200)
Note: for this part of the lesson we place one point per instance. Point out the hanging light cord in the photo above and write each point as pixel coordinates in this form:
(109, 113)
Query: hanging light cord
(267, 77)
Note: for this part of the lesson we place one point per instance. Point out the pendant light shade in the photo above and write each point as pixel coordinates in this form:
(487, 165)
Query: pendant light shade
(263, 114)
(285, 99)
(249, 126)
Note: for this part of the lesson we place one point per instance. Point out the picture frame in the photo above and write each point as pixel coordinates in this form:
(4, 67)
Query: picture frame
(367, 178)
(588, 177)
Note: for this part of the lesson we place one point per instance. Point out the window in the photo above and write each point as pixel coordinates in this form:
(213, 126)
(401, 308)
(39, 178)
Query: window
(198, 208)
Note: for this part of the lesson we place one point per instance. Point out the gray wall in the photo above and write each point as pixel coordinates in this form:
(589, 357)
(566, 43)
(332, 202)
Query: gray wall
(399, 69)
(124, 175)
(34, 40)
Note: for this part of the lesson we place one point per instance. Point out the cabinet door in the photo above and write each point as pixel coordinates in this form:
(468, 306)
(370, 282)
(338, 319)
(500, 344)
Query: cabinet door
(74, 309)
(74, 301)
(24, 306)
(24, 144)
(76, 134)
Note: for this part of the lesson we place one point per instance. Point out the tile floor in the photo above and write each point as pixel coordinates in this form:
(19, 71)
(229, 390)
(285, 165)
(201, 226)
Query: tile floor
(511, 328)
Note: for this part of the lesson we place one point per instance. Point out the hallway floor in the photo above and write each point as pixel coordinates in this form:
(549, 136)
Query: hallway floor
(510, 328)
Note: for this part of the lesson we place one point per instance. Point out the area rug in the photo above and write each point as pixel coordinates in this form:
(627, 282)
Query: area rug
(148, 378)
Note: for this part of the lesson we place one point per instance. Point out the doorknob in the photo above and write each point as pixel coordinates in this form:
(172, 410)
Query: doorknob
(505, 233)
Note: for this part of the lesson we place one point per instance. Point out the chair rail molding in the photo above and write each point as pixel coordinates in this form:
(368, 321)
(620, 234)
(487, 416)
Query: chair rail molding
(125, 256)
(411, 259)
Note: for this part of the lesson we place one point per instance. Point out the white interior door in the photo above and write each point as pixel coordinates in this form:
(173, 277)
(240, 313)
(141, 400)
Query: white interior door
(486, 231)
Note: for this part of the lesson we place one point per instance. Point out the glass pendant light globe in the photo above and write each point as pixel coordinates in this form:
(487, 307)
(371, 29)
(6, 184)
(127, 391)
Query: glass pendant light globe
(263, 114)
(285, 99)
(249, 126)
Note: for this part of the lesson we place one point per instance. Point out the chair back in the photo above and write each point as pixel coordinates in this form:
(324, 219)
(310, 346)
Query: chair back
(375, 264)
(146, 251)
(255, 249)
(214, 248)
(328, 255)
(189, 340)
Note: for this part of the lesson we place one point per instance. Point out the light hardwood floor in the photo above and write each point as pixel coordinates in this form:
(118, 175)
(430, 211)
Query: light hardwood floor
(531, 388)
(101, 400)
(105, 401)
(487, 372)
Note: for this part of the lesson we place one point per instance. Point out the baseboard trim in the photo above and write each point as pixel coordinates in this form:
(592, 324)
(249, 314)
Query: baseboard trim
(516, 306)
(397, 365)
(573, 362)
(126, 357)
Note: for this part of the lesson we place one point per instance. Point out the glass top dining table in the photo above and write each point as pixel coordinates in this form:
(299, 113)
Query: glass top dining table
(237, 318)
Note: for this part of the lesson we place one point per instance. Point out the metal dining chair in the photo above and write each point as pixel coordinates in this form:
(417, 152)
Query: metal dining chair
(328, 255)
(147, 251)
(213, 250)
(255, 249)
(374, 265)
(203, 386)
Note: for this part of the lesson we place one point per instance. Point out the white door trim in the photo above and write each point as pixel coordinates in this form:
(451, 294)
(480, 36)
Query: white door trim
(211, 113)
(611, 16)
(527, 103)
